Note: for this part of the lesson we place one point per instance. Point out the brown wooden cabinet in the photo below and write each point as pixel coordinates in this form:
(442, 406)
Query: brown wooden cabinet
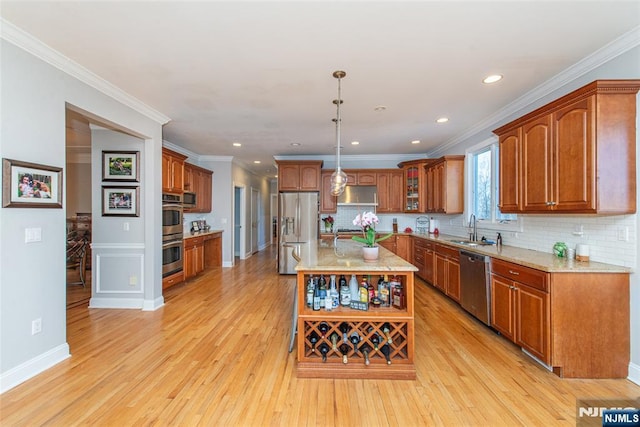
(390, 184)
(520, 307)
(414, 190)
(424, 258)
(446, 276)
(328, 202)
(172, 171)
(445, 185)
(200, 181)
(398, 244)
(193, 256)
(576, 154)
(299, 175)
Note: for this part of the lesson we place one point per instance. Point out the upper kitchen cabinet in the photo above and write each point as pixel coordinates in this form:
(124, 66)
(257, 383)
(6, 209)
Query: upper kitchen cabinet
(414, 190)
(390, 184)
(172, 171)
(361, 177)
(445, 185)
(328, 202)
(574, 155)
(294, 175)
(199, 181)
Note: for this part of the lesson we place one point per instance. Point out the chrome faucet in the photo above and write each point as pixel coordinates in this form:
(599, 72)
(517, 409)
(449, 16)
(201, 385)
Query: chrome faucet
(335, 236)
(473, 235)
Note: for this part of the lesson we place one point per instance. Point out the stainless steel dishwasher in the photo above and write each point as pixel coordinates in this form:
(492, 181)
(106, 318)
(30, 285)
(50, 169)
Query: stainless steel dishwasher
(475, 294)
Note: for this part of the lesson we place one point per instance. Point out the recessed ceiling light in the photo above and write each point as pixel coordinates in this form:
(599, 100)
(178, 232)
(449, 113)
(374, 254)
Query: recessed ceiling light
(492, 78)
(415, 141)
(256, 162)
(237, 144)
(379, 108)
(355, 142)
(442, 120)
(295, 144)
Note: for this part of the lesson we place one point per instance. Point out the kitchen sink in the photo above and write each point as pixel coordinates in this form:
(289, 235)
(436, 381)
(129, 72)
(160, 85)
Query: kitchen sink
(471, 243)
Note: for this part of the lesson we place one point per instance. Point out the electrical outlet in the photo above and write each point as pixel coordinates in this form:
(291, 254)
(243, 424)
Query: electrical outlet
(133, 280)
(36, 326)
(623, 234)
(125, 226)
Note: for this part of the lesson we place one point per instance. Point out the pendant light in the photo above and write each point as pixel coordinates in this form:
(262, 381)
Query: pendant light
(338, 177)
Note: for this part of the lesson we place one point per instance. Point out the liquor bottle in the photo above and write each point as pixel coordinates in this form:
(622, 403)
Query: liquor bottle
(345, 292)
(344, 349)
(313, 339)
(316, 299)
(365, 349)
(397, 299)
(353, 287)
(386, 350)
(383, 292)
(334, 341)
(323, 327)
(328, 304)
(364, 290)
(310, 288)
(324, 350)
(322, 285)
(355, 339)
(371, 290)
(386, 329)
(375, 340)
(344, 328)
(335, 295)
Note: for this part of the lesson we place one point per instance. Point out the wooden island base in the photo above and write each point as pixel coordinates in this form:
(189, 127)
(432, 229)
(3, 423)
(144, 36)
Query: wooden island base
(357, 371)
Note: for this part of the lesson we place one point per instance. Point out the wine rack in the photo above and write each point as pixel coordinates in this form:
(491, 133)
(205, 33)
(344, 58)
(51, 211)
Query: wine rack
(368, 324)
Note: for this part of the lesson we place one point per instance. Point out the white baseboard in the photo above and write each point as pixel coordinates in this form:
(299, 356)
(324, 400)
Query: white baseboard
(227, 264)
(634, 373)
(153, 305)
(116, 303)
(33, 367)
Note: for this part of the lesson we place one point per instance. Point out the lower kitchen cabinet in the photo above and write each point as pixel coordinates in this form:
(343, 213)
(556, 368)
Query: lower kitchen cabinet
(423, 258)
(403, 246)
(446, 275)
(193, 256)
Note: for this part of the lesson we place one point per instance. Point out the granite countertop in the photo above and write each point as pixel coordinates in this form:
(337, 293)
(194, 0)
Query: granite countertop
(528, 257)
(346, 255)
(201, 233)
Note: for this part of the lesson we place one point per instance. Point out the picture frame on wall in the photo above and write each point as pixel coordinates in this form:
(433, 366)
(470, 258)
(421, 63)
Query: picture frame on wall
(30, 185)
(121, 166)
(121, 201)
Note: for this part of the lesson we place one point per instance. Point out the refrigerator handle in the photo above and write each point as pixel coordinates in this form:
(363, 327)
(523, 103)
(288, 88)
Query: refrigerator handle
(297, 223)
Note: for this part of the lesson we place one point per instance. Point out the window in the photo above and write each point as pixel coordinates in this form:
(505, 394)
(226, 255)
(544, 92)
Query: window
(483, 179)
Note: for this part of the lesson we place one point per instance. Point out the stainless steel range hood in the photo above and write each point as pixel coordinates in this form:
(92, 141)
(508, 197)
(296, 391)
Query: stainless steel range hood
(358, 195)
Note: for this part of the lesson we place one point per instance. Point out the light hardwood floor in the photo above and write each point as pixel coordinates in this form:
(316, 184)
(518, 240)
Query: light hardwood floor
(217, 354)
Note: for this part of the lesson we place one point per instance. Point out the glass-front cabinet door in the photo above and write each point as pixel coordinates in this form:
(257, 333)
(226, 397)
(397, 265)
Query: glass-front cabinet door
(414, 185)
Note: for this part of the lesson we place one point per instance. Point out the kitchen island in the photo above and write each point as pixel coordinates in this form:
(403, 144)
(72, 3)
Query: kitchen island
(384, 333)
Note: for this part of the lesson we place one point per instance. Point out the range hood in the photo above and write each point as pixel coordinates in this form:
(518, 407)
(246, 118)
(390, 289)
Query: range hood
(358, 195)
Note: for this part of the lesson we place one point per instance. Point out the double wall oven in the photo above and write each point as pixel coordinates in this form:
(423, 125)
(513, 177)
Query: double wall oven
(172, 231)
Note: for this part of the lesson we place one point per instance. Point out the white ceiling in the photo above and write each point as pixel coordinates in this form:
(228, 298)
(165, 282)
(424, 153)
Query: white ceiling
(260, 73)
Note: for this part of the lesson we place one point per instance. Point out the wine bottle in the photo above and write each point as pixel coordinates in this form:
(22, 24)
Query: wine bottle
(313, 339)
(324, 350)
(316, 299)
(335, 295)
(386, 350)
(386, 329)
(323, 327)
(365, 349)
(371, 291)
(355, 340)
(322, 285)
(353, 287)
(334, 341)
(345, 292)
(344, 328)
(375, 340)
(344, 349)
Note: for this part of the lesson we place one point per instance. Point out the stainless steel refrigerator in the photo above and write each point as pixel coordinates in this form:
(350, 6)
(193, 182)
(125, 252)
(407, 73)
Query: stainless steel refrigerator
(299, 225)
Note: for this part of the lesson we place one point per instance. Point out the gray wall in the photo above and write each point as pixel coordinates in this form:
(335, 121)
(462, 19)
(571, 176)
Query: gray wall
(34, 97)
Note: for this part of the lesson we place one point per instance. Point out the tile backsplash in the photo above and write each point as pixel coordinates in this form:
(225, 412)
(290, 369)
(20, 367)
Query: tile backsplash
(612, 239)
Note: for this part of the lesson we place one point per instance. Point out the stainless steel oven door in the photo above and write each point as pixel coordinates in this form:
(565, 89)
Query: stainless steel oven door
(172, 254)
(171, 218)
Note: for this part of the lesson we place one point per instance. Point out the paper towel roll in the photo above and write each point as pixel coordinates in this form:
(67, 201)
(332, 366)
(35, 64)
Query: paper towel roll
(432, 225)
(582, 252)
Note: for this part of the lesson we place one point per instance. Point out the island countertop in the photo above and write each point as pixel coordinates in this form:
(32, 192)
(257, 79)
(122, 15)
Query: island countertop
(346, 255)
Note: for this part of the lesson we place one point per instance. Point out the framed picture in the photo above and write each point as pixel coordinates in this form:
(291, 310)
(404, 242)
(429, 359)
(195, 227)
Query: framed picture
(120, 201)
(29, 185)
(121, 166)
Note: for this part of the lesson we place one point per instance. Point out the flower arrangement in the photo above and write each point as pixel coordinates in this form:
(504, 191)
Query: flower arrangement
(367, 222)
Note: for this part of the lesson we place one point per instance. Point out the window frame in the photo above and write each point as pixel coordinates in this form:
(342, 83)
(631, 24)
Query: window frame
(515, 225)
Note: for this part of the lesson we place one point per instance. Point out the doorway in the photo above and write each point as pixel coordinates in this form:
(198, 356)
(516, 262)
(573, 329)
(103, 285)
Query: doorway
(255, 214)
(238, 215)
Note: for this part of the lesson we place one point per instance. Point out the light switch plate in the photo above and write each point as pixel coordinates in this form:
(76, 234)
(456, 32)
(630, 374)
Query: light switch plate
(32, 235)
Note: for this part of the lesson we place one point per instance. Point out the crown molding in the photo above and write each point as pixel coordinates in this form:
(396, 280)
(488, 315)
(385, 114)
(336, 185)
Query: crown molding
(615, 48)
(27, 42)
(353, 157)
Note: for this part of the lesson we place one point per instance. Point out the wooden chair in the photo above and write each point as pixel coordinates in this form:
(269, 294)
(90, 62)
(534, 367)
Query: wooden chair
(77, 258)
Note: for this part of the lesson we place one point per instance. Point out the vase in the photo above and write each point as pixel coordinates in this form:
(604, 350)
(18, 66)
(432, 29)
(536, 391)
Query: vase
(370, 254)
(327, 228)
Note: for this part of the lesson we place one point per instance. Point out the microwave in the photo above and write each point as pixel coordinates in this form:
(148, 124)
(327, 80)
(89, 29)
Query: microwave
(189, 200)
